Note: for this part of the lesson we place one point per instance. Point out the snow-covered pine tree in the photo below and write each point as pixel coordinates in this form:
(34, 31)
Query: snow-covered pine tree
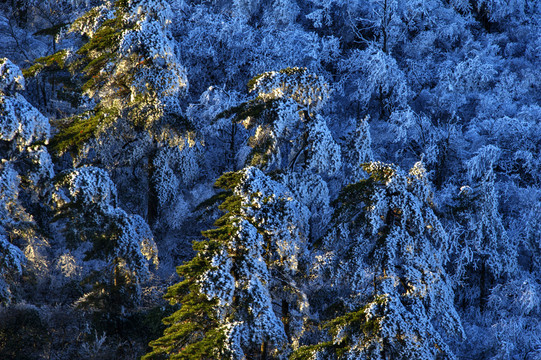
(226, 310)
(122, 244)
(286, 130)
(23, 128)
(243, 278)
(388, 252)
(312, 191)
(25, 170)
(131, 79)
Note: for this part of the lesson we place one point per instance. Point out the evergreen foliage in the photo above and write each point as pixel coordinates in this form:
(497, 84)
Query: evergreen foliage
(25, 165)
(393, 268)
(86, 197)
(292, 139)
(285, 124)
(226, 310)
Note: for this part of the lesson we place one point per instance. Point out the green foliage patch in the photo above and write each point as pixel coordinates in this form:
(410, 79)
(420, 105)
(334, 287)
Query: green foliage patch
(54, 62)
(77, 130)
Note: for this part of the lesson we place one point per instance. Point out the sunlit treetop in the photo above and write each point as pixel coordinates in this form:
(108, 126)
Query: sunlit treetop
(310, 91)
(130, 50)
(286, 129)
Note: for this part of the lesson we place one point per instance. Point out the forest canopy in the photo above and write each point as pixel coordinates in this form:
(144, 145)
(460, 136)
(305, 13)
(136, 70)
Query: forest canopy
(264, 180)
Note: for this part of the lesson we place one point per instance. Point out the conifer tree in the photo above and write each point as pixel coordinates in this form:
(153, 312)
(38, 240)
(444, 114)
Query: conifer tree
(246, 266)
(22, 124)
(287, 132)
(25, 170)
(390, 256)
(86, 204)
(312, 191)
(131, 79)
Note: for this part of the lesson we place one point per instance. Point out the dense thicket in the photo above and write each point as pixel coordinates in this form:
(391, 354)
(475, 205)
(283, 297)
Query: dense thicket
(334, 179)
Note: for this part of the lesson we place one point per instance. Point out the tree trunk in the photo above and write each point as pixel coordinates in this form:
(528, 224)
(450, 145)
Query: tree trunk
(263, 355)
